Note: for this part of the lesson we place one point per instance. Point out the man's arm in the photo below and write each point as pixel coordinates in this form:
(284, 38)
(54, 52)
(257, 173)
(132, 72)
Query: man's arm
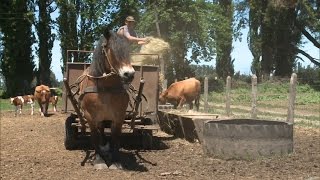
(132, 38)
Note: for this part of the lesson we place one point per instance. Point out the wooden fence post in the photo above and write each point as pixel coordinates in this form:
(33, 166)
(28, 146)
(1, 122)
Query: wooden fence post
(292, 98)
(228, 88)
(206, 94)
(254, 96)
(165, 85)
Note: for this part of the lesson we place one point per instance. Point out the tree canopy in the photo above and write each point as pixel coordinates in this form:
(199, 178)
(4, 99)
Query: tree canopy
(197, 31)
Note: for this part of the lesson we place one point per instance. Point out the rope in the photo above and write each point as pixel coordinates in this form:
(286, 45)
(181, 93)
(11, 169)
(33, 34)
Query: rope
(104, 75)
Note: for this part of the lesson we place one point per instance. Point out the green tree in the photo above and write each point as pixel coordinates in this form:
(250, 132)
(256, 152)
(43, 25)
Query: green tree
(118, 10)
(254, 35)
(308, 22)
(67, 29)
(223, 37)
(17, 61)
(79, 25)
(275, 34)
(187, 27)
(46, 39)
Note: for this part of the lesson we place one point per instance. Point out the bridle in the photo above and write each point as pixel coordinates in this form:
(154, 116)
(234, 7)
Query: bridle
(104, 51)
(113, 71)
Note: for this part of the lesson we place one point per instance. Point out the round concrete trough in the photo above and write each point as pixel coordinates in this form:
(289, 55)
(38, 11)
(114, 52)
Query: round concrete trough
(247, 138)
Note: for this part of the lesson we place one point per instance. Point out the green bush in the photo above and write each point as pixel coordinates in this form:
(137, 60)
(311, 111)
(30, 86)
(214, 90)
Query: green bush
(309, 75)
(57, 92)
(214, 84)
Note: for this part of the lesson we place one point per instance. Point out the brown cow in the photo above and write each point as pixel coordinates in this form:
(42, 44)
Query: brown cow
(54, 100)
(182, 91)
(19, 101)
(42, 95)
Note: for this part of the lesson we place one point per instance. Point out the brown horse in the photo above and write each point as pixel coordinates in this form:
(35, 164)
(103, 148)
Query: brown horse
(104, 98)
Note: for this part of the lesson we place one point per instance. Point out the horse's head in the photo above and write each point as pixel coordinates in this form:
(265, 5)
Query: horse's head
(117, 56)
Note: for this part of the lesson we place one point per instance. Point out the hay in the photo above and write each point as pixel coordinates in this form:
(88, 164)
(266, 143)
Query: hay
(154, 46)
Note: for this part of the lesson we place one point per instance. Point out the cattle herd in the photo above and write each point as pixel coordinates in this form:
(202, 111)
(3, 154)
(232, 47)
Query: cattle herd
(178, 93)
(42, 95)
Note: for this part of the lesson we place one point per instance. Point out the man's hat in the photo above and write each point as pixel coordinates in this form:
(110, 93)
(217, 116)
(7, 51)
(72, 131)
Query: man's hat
(130, 18)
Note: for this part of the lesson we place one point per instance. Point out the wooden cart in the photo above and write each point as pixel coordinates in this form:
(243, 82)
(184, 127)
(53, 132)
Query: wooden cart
(141, 117)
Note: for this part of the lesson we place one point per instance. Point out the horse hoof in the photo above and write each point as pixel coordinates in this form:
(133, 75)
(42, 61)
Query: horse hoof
(100, 166)
(99, 163)
(116, 166)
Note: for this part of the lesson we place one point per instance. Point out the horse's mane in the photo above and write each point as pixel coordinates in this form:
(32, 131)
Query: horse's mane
(120, 50)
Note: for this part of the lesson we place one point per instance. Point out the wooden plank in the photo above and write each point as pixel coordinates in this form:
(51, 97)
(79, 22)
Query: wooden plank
(146, 127)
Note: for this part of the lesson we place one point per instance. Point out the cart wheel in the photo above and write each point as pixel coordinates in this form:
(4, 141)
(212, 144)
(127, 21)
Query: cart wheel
(147, 139)
(71, 134)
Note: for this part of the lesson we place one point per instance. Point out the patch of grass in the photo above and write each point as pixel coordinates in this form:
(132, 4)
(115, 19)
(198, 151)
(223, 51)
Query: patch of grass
(5, 105)
(307, 124)
(273, 92)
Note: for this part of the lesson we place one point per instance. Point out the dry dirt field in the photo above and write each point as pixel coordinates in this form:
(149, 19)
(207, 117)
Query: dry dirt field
(32, 148)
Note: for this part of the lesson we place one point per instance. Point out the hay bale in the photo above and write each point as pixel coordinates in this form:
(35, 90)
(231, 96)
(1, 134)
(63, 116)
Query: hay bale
(154, 46)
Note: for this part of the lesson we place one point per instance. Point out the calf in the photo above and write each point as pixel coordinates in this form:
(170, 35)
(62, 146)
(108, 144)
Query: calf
(182, 91)
(54, 100)
(19, 101)
(42, 95)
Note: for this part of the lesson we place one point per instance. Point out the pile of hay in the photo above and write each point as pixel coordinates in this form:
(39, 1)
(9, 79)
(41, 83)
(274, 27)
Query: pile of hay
(154, 46)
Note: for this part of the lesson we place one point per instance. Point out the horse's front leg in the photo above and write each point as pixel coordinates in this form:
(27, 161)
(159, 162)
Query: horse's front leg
(100, 148)
(104, 146)
(115, 144)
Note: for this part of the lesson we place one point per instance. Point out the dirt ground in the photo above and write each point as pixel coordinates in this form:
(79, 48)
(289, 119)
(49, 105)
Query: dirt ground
(32, 148)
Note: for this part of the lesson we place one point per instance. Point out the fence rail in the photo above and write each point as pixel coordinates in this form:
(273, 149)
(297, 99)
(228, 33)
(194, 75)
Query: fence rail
(285, 100)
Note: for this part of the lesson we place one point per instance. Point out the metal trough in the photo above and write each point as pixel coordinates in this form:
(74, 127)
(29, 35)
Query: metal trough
(247, 138)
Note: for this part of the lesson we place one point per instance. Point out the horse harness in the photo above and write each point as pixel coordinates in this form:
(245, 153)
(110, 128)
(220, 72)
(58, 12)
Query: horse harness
(96, 89)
